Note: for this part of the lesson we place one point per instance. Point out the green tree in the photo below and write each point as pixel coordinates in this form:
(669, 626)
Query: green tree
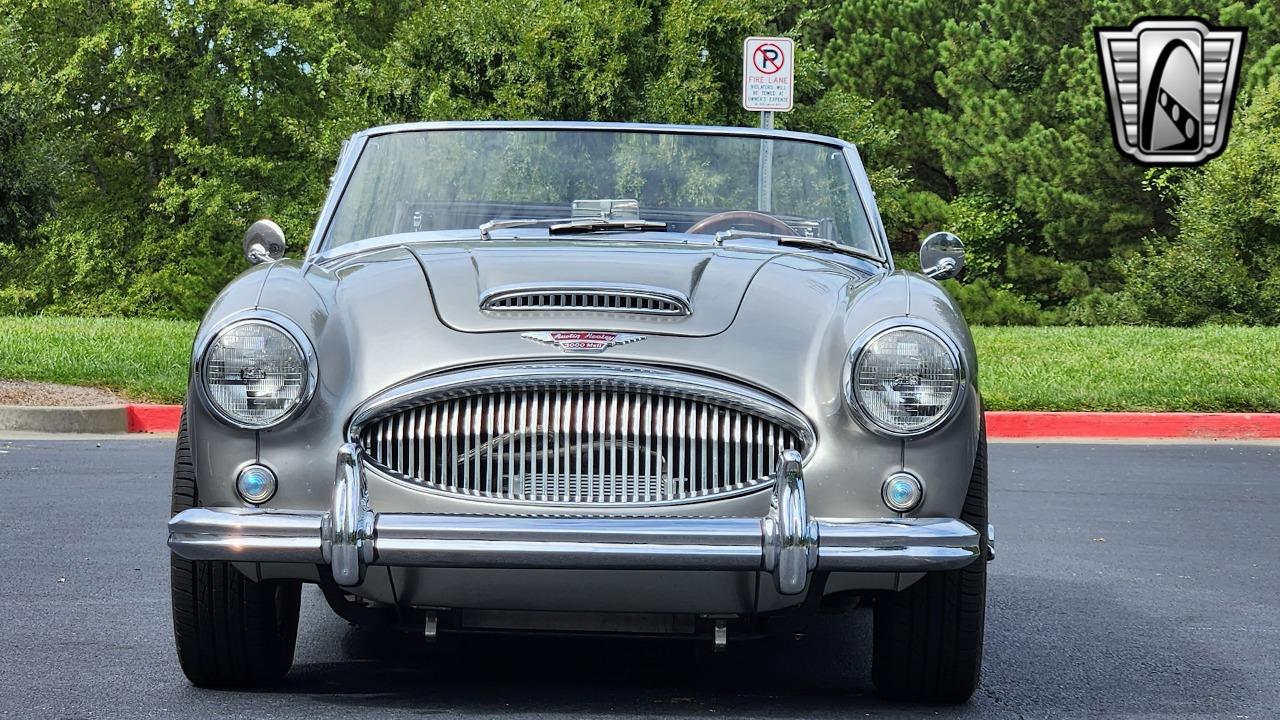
(181, 124)
(1223, 266)
(28, 163)
(176, 125)
(889, 50)
(1003, 125)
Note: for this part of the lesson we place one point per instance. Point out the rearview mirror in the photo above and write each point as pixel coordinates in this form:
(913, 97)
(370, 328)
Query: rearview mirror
(941, 256)
(264, 242)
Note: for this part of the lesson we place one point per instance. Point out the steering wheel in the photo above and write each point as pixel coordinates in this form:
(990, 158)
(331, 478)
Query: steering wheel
(712, 224)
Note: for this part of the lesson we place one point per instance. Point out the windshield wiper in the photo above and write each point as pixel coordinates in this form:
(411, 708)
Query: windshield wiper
(561, 226)
(604, 225)
(797, 241)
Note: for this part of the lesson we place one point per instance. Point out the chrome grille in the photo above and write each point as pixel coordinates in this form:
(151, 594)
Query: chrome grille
(618, 300)
(580, 444)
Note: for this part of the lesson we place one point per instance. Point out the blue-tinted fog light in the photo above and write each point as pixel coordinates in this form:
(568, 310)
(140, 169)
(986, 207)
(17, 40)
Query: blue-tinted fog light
(902, 492)
(256, 484)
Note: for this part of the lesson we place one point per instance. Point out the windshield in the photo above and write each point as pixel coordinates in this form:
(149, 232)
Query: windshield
(455, 179)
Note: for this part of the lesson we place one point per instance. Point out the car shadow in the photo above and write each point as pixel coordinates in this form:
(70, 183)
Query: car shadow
(824, 671)
(1062, 648)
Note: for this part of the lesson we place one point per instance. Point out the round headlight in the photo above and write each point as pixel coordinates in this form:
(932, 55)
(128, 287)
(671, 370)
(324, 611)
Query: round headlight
(905, 381)
(255, 373)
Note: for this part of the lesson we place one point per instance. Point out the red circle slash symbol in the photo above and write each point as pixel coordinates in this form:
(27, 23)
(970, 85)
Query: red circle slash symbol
(768, 58)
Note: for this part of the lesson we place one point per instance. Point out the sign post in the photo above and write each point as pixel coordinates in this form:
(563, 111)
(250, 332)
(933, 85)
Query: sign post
(767, 83)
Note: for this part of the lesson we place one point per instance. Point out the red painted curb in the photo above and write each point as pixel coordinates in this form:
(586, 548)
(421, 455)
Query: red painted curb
(1000, 424)
(153, 418)
(1221, 426)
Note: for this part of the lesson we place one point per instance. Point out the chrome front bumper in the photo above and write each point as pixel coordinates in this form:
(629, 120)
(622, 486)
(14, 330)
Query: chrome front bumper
(787, 542)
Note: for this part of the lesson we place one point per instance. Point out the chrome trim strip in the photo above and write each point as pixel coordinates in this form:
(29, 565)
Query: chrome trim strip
(565, 543)
(248, 534)
(754, 132)
(492, 299)
(351, 151)
(242, 317)
(788, 542)
(924, 544)
(963, 372)
(866, 197)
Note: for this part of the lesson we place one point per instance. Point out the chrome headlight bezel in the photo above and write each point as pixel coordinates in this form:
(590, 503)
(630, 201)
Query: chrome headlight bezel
(869, 421)
(277, 322)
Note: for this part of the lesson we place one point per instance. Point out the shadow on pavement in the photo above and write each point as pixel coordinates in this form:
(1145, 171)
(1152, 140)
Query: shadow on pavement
(785, 677)
(1066, 648)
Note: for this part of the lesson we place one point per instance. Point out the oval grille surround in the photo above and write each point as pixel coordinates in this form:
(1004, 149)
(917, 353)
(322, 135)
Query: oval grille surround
(580, 443)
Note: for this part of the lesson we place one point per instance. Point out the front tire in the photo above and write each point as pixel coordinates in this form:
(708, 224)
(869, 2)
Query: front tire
(229, 630)
(927, 641)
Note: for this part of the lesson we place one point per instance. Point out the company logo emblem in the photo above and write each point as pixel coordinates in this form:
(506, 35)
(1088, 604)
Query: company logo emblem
(579, 341)
(1170, 85)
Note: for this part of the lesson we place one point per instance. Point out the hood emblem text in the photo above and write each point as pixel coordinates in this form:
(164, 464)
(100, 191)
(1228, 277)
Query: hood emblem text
(581, 341)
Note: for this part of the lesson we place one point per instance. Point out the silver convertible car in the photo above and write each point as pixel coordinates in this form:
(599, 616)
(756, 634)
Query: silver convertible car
(586, 378)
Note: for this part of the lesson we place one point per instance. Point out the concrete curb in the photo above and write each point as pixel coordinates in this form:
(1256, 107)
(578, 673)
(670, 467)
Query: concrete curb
(95, 419)
(141, 418)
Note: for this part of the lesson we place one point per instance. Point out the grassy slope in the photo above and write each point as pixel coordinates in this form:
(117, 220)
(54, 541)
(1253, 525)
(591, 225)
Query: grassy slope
(143, 360)
(1129, 368)
(1111, 368)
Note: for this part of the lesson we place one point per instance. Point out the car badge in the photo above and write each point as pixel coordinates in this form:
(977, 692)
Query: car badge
(1170, 85)
(581, 341)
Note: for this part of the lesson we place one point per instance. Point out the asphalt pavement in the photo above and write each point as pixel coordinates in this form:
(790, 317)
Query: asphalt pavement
(1131, 581)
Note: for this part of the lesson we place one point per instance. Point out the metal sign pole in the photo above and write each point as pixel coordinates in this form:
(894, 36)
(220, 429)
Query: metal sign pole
(764, 197)
(767, 84)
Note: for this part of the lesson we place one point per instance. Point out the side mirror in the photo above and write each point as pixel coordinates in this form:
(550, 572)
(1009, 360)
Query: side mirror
(264, 242)
(941, 256)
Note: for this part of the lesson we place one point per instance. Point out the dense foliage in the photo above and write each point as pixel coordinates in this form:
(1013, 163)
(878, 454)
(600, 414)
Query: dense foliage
(138, 140)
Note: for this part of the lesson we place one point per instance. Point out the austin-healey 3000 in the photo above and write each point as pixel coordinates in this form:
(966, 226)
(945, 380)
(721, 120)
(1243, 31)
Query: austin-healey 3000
(586, 378)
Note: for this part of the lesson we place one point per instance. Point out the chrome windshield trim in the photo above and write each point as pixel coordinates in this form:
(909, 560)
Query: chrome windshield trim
(354, 147)
(867, 197)
(614, 126)
(351, 150)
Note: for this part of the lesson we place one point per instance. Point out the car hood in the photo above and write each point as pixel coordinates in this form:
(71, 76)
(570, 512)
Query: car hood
(713, 279)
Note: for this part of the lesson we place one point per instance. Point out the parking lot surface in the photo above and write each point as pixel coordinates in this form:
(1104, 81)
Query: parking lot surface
(1132, 581)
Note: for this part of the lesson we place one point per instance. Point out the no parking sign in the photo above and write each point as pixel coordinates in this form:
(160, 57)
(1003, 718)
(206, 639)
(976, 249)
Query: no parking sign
(767, 63)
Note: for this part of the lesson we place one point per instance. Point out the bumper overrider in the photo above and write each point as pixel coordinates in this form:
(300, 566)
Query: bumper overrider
(787, 542)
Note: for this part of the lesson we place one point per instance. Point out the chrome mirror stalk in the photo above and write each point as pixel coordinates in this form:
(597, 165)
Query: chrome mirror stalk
(264, 242)
(941, 256)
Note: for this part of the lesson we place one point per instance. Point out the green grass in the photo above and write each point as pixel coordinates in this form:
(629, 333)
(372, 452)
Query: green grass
(1022, 368)
(1129, 368)
(143, 360)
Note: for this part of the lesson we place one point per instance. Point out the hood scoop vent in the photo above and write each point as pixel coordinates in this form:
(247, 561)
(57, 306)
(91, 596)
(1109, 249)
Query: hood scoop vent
(626, 299)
